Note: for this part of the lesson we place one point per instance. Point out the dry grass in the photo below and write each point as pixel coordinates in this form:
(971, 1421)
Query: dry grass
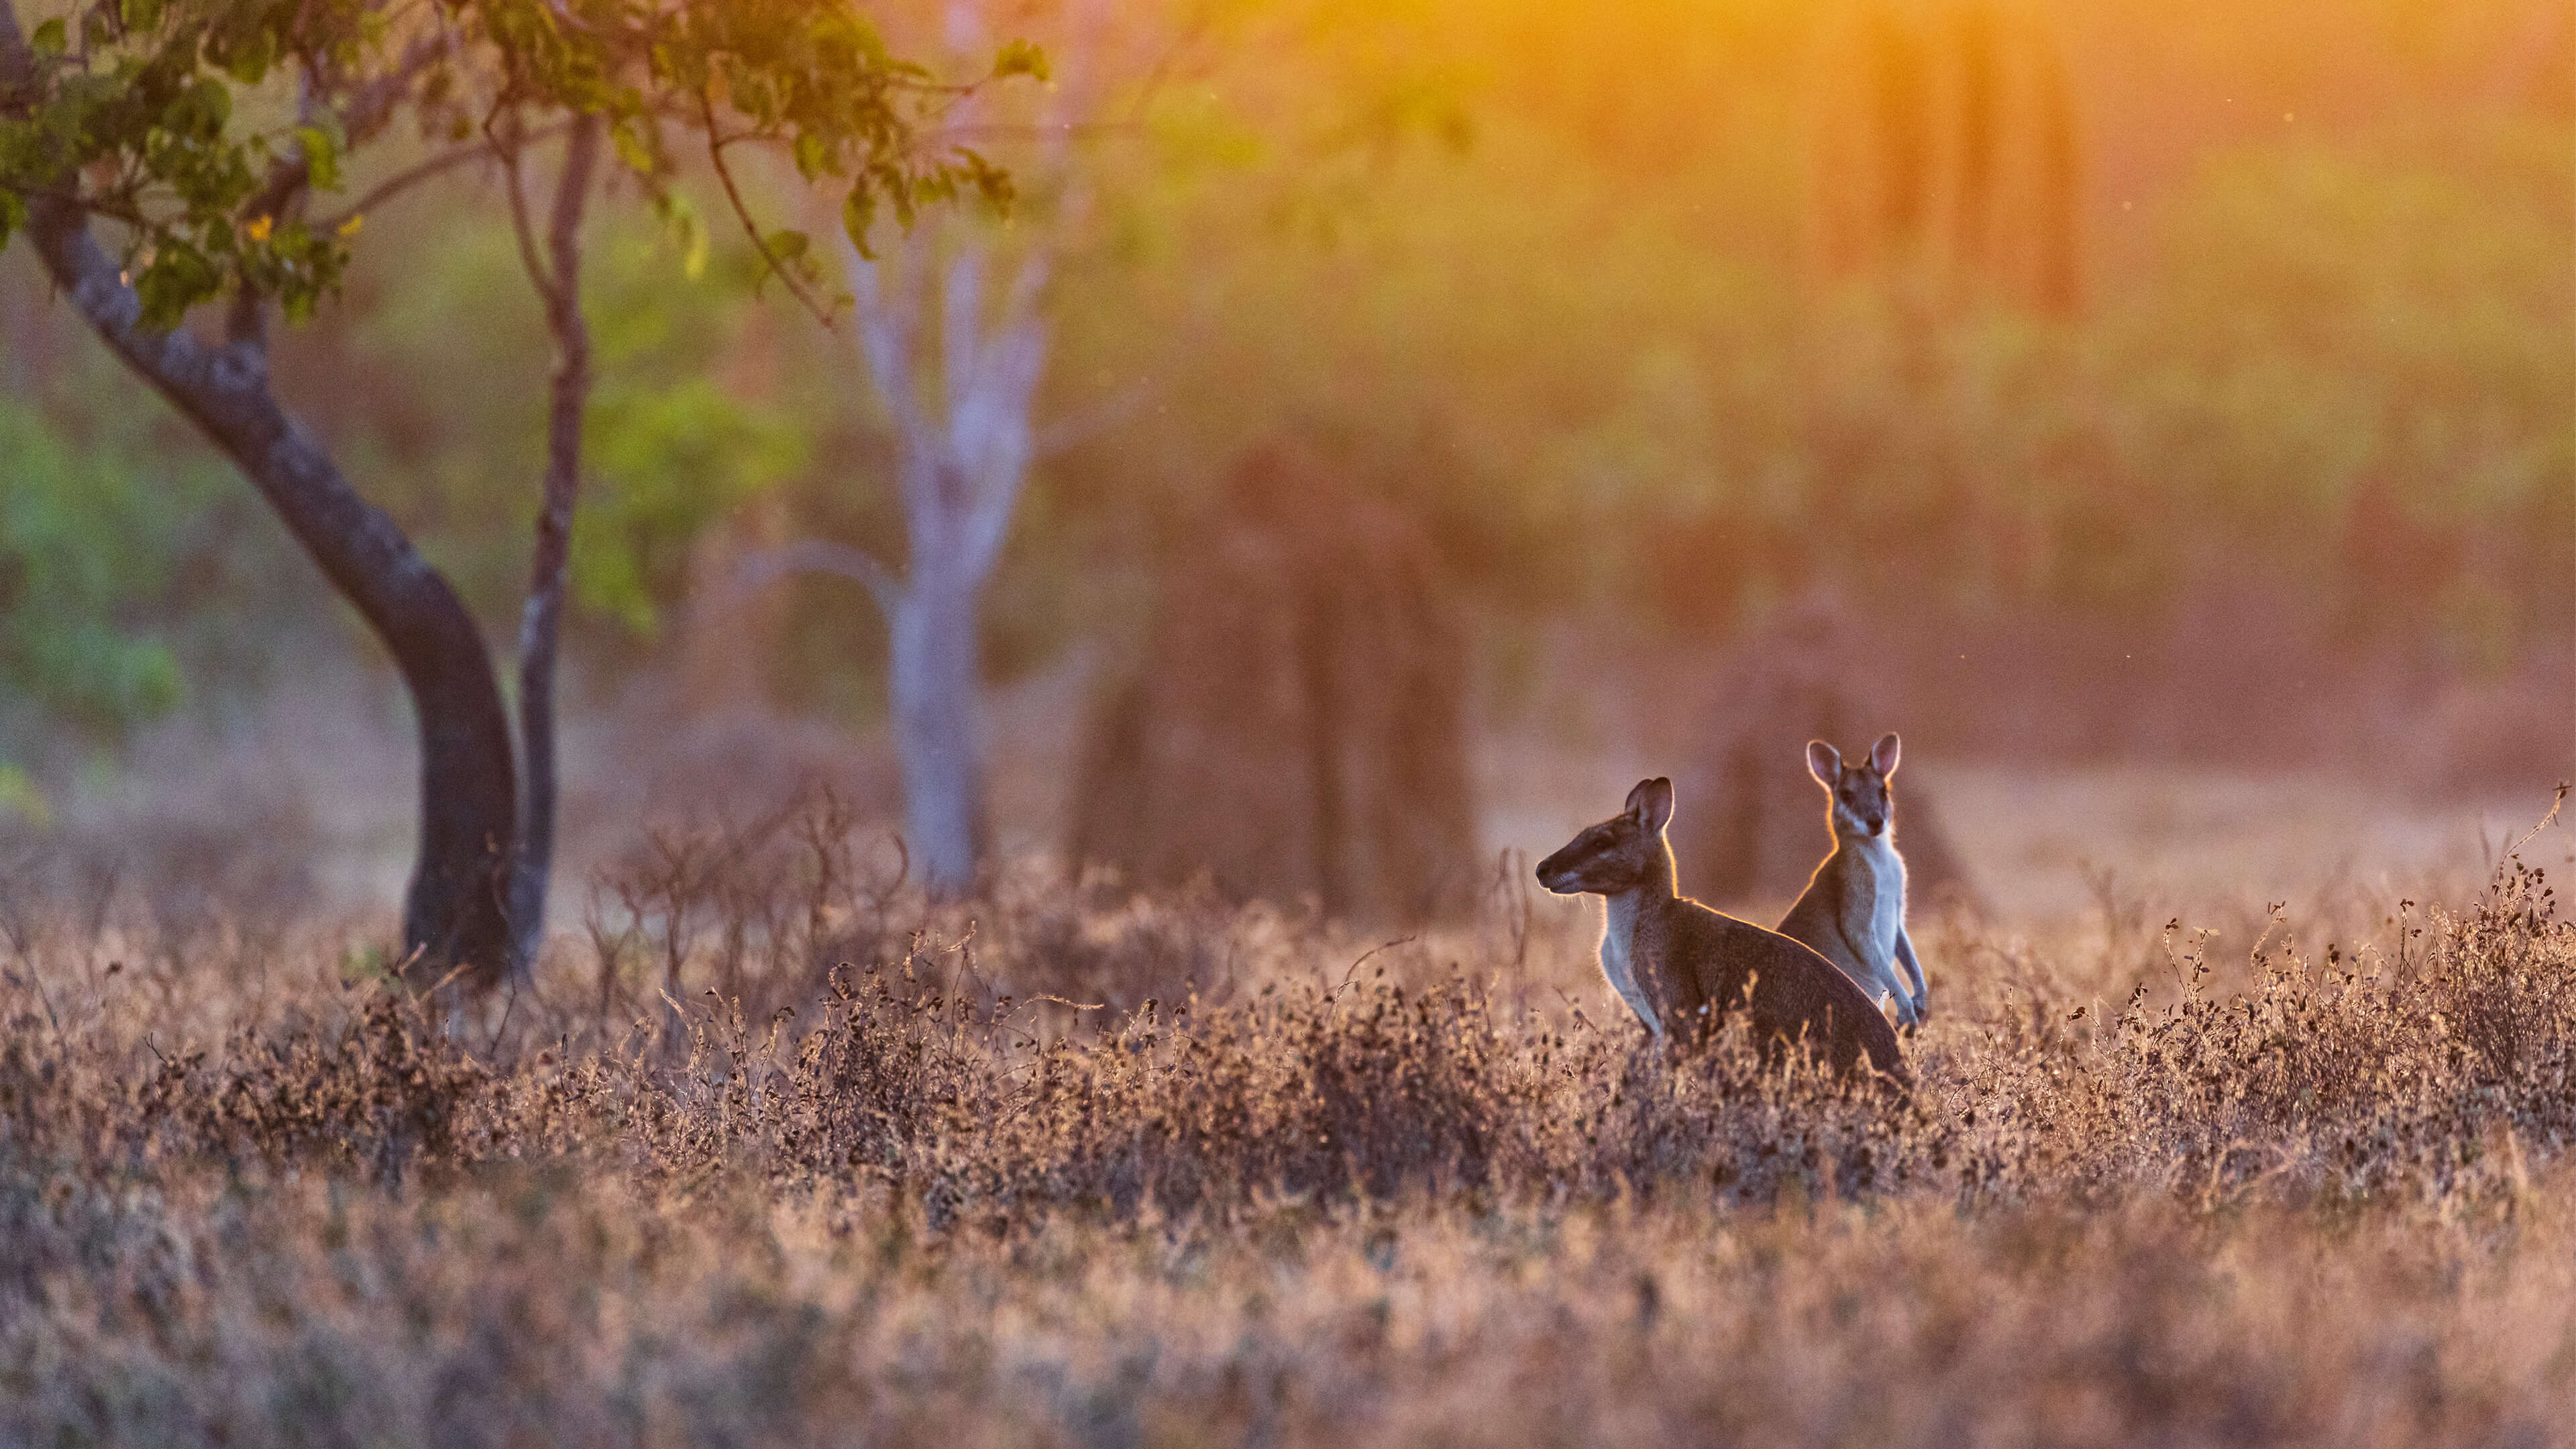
(703, 1183)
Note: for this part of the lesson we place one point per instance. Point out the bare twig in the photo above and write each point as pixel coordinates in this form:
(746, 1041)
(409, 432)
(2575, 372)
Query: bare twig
(522, 229)
(751, 228)
(445, 161)
(764, 567)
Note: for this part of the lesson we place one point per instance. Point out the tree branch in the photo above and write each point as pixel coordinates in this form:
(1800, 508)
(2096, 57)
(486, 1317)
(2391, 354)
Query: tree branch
(541, 618)
(751, 228)
(373, 105)
(886, 327)
(364, 115)
(763, 567)
(522, 230)
(961, 329)
(411, 176)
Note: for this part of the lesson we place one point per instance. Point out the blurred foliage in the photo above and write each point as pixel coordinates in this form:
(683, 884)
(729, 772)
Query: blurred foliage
(92, 537)
(669, 462)
(1547, 278)
(142, 577)
(673, 445)
(22, 800)
(2331, 340)
(194, 126)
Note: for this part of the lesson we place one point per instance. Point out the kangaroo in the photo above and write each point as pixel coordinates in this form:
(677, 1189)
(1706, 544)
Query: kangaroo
(1853, 910)
(1682, 967)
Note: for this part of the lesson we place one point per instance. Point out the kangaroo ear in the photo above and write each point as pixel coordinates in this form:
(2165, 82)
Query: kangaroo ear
(1651, 804)
(1825, 763)
(1883, 754)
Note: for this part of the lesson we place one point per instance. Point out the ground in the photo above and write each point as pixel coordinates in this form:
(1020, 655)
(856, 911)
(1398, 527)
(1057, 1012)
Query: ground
(2244, 1118)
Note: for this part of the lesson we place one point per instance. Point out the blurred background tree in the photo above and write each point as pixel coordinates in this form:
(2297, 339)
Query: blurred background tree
(2242, 335)
(199, 137)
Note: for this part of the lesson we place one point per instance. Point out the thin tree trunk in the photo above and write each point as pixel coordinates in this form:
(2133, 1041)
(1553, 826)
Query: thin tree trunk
(455, 913)
(541, 619)
(933, 681)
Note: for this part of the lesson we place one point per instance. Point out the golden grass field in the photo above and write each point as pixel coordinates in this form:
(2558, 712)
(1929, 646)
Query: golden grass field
(2296, 1176)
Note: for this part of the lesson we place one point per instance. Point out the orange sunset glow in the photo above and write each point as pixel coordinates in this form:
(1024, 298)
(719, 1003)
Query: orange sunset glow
(1287, 722)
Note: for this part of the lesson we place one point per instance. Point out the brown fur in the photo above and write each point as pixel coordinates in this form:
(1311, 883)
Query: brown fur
(1853, 910)
(1690, 966)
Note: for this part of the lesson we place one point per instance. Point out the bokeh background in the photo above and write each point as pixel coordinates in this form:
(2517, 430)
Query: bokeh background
(2165, 416)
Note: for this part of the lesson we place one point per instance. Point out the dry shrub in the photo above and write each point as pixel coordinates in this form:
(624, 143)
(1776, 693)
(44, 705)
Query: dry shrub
(757, 910)
(365, 1095)
(524, 1306)
(1335, 1197)
(1752, 823)
(1296, 729)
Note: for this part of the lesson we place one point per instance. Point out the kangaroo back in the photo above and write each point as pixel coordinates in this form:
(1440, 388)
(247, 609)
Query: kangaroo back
(1792, 994)
(1683, 967)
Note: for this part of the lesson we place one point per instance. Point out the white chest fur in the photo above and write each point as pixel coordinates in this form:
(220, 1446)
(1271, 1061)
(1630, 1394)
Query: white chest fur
(1876, 910)
(1619, 957)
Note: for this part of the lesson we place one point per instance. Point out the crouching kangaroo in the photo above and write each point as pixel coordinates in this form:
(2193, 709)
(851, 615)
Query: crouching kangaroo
(1853, 911)
(1682, 967)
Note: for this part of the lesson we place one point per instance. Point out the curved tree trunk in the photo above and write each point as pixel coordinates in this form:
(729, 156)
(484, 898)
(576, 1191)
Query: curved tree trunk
(541, 619)
(455, 914)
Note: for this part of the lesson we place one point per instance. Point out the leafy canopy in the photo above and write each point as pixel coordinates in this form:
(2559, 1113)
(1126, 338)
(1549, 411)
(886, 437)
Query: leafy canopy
(201, 129)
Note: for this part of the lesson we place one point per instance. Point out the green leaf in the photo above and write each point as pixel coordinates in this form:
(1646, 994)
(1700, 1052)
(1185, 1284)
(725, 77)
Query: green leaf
(812, 156)
(632, 148)
(321, 155)
(787, 246)
(859, 217)
(50, 38)
(19, 794)
(249, 62)
(13, 215)
(682, 221)
(208, 105)
(1021, 57)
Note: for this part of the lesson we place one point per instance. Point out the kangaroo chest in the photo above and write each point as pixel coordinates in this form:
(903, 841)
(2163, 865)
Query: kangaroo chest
(1619, 951)
(1873, 897)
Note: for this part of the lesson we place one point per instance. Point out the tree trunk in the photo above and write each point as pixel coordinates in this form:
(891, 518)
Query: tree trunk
(933, 680)
(455, 913)
(541, 619)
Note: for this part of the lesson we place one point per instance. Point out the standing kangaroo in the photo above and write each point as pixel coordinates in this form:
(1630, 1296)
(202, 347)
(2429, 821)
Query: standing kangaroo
(1682, 967)
(1853, 911)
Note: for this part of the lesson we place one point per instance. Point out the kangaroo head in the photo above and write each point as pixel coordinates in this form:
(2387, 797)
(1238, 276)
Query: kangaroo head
(1863, 807)
(1619, 854)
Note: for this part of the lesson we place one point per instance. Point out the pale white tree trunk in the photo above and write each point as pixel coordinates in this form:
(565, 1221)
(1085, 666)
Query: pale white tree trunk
(952, 334)
(965, 443)
(938, 737)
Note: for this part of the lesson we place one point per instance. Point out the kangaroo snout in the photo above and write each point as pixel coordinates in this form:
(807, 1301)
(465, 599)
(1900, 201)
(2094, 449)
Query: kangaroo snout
(1558, 876)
